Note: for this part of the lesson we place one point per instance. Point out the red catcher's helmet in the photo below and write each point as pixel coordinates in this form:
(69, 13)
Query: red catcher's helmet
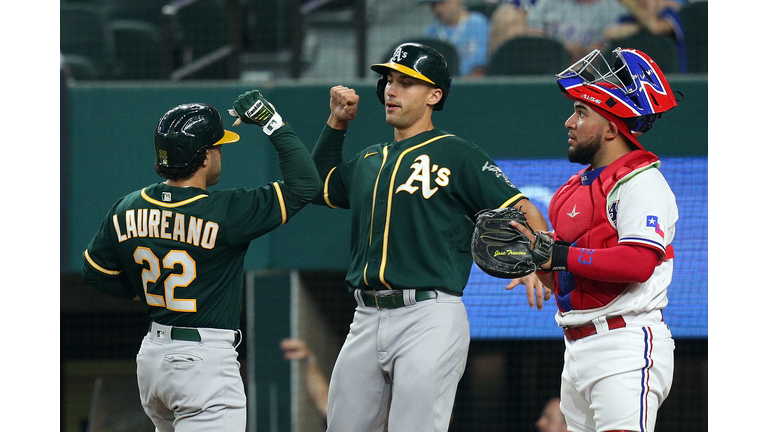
(633, 89)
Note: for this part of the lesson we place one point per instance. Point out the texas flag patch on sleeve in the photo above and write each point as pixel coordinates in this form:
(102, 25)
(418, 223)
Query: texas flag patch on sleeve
(653, 222)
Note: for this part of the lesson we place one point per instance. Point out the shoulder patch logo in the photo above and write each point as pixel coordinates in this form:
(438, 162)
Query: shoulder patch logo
(496, 170)
(653, 222)
(613, 212)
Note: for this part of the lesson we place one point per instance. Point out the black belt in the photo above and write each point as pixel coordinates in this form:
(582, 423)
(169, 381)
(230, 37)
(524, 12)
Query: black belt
(393, 299)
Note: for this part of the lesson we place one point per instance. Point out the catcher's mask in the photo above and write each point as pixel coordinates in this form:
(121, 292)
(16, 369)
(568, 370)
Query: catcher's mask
(186, 130)
(417, 61)
(634, 89)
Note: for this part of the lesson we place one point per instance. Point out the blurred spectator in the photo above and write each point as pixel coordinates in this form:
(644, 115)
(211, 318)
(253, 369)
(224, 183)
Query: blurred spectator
(508, 21)
(658, 17)
(578, 24)
(551, 420)
(466, 30)
(316, 382)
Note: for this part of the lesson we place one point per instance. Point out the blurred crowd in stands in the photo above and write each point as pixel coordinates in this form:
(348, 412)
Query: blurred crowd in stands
(218, 39)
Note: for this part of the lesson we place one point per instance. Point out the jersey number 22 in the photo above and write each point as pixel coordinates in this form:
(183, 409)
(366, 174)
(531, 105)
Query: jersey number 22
(176, 280)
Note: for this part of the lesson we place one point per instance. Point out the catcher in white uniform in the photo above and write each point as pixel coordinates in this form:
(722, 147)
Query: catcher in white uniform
(611, 260)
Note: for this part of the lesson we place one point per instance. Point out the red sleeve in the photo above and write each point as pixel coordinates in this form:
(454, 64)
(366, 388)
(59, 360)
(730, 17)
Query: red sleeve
(621, 263)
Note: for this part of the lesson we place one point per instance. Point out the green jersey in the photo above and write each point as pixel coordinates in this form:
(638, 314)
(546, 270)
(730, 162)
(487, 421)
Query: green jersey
(182, 250)
(410, 203)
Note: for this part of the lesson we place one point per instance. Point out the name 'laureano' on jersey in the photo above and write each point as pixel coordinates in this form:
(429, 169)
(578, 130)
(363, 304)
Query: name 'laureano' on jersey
(166, 224)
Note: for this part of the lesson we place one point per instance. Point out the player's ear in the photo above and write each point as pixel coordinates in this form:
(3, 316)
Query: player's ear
(434, 96)
(207, 160)
(611, 131)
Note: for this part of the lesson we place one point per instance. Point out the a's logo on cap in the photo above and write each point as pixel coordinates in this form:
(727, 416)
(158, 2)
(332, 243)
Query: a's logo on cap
(162, 154)
(398, 55)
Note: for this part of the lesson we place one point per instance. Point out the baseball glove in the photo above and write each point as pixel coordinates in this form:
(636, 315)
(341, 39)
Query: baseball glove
(503, 251)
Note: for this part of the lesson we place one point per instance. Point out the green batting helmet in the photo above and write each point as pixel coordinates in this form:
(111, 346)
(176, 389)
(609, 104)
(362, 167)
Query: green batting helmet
(186, 130)
(417, 61)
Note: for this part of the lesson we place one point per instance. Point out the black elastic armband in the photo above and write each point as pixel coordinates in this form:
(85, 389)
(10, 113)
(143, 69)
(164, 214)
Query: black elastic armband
(560, 256)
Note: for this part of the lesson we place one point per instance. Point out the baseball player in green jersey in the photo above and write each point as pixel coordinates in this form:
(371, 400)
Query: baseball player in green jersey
(180, 248)
(411, 200)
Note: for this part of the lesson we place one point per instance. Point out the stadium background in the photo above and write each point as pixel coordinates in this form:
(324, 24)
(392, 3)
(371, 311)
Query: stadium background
(294, 52)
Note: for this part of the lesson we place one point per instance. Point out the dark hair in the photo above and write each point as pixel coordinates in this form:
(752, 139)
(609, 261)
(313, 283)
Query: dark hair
(185, 172)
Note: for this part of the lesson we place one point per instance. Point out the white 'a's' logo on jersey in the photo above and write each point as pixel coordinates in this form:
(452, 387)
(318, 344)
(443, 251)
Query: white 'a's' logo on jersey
(422, 172)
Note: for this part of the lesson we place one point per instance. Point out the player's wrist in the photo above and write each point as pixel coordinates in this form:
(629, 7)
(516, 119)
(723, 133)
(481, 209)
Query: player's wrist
(559, 261)
(274, 123)
(309, 360)
(337, 123)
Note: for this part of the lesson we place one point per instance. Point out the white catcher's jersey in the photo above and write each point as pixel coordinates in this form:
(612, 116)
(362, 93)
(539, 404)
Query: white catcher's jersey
(643, 209)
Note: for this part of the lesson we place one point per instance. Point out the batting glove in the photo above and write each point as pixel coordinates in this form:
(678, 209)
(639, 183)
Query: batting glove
(251, 107)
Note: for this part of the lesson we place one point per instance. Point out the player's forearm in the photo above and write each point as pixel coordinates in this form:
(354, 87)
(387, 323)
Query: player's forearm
(532, 214)
(112, 286)
(327, 154)
(328, 150)
(317, 387)
(621, 263)
(337, 123)
(301, 181)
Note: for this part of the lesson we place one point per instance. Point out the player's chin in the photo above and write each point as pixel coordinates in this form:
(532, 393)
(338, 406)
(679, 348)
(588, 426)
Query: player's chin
(212, 180)
(394, 120)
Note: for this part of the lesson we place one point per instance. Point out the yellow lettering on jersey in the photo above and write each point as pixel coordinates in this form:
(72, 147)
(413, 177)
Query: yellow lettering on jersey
(141, 222)
(120, 236)
(209, 235)
(130, 224)
(164, 224)
(154, 223)
(178, 227)
(195, 228)
(421, 173)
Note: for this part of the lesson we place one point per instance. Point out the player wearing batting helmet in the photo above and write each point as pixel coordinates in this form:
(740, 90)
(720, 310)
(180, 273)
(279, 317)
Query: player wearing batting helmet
(619, 353)
(410, 197)
(179, 248)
